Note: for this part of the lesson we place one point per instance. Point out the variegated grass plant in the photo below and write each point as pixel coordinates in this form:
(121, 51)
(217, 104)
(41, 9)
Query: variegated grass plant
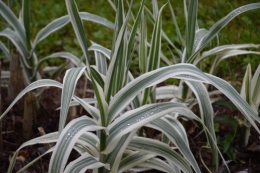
(17, 31)
(108, 139)
(197, 45)
(250, 91)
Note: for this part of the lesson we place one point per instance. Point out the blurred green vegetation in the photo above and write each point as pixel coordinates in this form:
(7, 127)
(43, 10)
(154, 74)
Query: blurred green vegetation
(243, 29)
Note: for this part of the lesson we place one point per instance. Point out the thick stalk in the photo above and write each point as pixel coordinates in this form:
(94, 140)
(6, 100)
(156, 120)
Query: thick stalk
(30, 107)
(102, 157)
(245, 133)
(1, 139)
(16, 83)
(185, 92)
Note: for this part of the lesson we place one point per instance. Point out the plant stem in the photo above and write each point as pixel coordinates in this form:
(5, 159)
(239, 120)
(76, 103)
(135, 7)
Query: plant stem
(102, 157)
(1, 138)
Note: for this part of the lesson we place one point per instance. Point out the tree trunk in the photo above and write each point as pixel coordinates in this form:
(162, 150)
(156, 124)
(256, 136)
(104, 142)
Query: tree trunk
(16, 82)
(30, 110)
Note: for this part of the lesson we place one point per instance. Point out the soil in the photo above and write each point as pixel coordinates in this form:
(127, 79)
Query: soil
(246, 159)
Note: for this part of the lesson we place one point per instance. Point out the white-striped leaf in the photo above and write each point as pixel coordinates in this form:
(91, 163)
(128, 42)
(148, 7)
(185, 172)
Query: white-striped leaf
(119, 77)
(255, 83)
(88, 141)
(152, 19)
(26, 22)
(154, 163)
(48, 138)
(83, 163)
(134, 159)
(35, 160)
(153, 59)
(223, 49)
(77, 24)
(75, 60)
(13, 37)
(178, 32)
(190, 31)
(12, 20)
(132, 35)
(81, 37)
(86, 100)
(101, 63)
(174, 130)
(32, 86)
(246, 94)
(50, 28)
(64, 20)
(135, 119)
(67, 140)
(99, 78)
(206, 114)
(112, 73)
(115, 156)
(214, 30)
(228, 54)
(142, 44)
(126, 94)
(168, 92)
(200, 34)
(69, 83)
(101, 49)
(5, 51)
(183, 71)
(246, 86)
(5, 74)
(47, 82)
(158, 148)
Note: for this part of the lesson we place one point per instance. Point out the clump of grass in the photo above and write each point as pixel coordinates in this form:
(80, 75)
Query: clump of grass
(125, 104)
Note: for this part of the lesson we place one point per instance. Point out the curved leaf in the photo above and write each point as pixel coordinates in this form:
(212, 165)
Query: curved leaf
(83, 163)
(5, 51)
(255, 87)
(174, 130)
(33, 161)
(67, 139)
(228, 54)
(12, 20)
(26, 22)
(158, 148)
(222, 50)
(69, 83)
(116, 154)
(77, 24)
(32, 86)
(64, 20)
(134, 159)
(168, 92)
(214, 30)
(191, 22)
(206, 114)
(88, 142)
(48, 138)
(200, 34)
(155, 163)
(101, 49)
(134, 119)
(182, 71)
(13, 37)
(75, 60)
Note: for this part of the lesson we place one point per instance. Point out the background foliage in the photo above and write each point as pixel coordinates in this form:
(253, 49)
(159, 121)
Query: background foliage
(243, 29)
